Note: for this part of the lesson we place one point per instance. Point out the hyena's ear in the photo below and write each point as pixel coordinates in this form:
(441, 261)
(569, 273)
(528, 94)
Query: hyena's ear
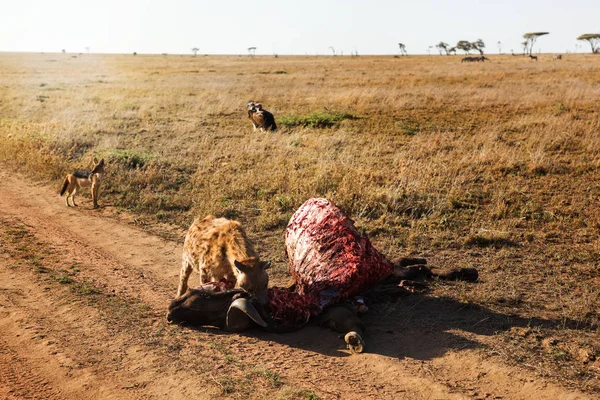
(95, 160)
(241, 267)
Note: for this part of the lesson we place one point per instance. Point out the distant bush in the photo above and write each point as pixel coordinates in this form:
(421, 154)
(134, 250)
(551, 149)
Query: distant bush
(279, 72)
(317, 119)
(129, 159)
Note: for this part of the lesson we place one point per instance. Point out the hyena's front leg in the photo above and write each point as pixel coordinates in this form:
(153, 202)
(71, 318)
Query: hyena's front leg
(184, 274)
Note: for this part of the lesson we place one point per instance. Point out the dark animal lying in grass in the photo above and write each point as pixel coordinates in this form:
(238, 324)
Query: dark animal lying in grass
(235, 310)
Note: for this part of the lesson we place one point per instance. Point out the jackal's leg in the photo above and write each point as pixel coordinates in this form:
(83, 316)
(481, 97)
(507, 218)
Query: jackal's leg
(184, 274)
(95, 193)
(70, 192)
(73, 197)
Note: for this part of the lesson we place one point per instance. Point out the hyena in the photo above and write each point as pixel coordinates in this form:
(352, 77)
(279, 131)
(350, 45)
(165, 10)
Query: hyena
(218, 248)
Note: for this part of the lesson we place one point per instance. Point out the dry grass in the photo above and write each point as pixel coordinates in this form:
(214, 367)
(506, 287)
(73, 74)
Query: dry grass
(489, 165)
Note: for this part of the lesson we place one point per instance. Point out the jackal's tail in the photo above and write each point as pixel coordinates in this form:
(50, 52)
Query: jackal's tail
(64, 186)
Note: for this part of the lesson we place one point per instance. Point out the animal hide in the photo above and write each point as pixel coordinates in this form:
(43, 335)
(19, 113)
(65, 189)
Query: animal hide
(329, 260)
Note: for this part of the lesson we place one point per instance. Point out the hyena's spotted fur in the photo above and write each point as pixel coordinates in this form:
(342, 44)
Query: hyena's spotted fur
(218, 248)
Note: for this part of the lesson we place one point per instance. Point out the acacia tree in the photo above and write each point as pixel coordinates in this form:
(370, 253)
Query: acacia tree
(593, 39)
(530, 39)
(402, 49)
(464, 45)
(195, 51)
(478, 45)
(251, 51)
(441, 46)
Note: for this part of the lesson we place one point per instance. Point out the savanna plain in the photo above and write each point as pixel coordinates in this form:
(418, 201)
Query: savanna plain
(492, 165)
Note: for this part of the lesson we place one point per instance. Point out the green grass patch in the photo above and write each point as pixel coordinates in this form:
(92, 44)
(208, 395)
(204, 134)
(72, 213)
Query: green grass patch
(129, 159)
(62, 278)
(408, 128)
(84, 289)
(317, 119)
(272, 378)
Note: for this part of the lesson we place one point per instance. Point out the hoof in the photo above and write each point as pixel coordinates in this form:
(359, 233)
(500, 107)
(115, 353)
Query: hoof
(354, 342)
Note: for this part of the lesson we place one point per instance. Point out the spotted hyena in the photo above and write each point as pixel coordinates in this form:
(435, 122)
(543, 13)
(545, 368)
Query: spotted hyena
(218, 248)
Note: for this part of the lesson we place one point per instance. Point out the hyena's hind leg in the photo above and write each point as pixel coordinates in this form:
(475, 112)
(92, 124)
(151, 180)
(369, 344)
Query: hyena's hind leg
(186, 269)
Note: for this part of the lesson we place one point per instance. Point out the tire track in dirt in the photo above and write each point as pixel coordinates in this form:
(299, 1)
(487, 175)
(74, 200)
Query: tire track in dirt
(34, 348)
(18, 381)
(132, 264)
(74, 342)
(123, 258)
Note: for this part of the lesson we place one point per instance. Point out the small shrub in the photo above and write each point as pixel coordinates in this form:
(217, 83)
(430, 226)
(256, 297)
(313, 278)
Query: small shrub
(62, 278)
(284, 202)
(273, 378)
(489, 240)
(129, 158)
(84, 289)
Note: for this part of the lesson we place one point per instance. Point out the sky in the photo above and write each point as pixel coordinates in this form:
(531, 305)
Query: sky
(286, 27)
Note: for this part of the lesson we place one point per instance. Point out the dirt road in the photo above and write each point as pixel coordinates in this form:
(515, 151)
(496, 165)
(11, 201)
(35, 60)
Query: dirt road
(82, 304)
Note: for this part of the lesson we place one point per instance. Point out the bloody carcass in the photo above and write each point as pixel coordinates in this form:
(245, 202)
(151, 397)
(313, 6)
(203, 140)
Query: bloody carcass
(329, 260)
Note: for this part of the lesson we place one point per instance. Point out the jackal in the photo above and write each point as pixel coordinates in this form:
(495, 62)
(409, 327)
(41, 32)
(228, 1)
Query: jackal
(79, 179)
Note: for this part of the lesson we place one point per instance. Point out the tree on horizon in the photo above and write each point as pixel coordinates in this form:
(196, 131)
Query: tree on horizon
(593, 39)
(443, 46)
(478, 45)
(530, 39)
(464, 45)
